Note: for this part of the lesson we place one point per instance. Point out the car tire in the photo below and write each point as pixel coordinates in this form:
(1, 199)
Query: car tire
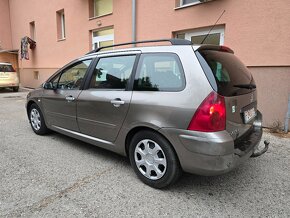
(15, 89)
(37, 121)
(153, 159)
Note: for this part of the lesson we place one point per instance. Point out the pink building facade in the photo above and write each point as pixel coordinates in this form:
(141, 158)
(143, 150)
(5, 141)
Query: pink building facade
(63, 30)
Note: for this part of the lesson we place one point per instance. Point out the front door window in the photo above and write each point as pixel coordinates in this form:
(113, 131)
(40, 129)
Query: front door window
(72, 77)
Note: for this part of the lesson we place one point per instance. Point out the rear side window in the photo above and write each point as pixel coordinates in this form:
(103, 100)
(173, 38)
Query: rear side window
(159, 72)
(6, 68)
(225, 72)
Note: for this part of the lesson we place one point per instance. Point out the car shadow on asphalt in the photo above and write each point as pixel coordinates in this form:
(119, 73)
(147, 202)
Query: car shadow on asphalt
(5, 90)
(229, 185)
(89, 148)
(186, 183)
(9, 90)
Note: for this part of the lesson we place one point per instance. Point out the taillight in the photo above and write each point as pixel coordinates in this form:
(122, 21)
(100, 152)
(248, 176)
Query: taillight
(210, 116)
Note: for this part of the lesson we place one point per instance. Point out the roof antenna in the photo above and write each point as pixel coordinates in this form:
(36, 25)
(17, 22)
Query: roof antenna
(212, 27)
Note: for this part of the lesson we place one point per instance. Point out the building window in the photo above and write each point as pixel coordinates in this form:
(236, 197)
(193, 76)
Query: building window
(101, 38)
(36, 75)
(180, 35)
(60, 19)
(216, 36)
(180, 3)
(100, 7)
(32, 30)
(186, 2)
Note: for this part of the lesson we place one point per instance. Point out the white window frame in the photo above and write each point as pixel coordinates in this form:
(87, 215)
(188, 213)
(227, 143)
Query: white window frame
(205, 31)
(94, 5)
(98, 39)
(181, 4)
(62, 24)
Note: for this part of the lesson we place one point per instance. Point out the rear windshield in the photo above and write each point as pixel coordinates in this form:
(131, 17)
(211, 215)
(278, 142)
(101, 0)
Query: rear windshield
(6, 68)
(225, 72)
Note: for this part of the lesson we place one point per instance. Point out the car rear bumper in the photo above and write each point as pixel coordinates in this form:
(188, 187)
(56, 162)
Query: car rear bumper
(212, 153)
(7, 84)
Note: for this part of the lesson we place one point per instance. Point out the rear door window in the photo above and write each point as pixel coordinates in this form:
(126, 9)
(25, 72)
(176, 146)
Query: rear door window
(225, 72)
(113, 72)
(159, 72)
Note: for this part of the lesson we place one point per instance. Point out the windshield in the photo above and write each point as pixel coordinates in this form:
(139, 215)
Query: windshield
(6, 68)
(226, 73)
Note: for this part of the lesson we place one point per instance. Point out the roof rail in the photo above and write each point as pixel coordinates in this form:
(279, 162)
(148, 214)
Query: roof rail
(172, 41)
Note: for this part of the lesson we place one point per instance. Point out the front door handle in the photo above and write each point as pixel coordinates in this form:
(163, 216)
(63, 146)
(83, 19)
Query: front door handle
(117, 102)
(69, 98)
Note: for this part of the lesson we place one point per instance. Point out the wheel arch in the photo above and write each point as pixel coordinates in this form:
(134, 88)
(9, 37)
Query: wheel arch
(29, 103)
(134, 130)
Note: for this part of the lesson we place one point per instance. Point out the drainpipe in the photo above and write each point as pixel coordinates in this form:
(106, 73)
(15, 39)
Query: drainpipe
(9, 8)
(287, 117)
(134, 21)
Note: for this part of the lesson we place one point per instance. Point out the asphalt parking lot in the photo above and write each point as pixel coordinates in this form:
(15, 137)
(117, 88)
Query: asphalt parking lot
(53, 175)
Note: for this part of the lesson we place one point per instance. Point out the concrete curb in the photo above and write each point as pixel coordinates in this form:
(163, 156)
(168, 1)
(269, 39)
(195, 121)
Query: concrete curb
(26, 89)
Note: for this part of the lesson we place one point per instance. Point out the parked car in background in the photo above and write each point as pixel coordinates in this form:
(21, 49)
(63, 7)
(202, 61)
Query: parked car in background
(8, 77)
(170, 109)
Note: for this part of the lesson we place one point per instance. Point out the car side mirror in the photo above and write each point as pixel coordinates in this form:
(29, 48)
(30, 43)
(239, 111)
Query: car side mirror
(48, 85)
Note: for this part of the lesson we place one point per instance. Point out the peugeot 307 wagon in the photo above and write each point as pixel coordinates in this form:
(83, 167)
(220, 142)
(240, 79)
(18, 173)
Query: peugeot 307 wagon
(169, 108)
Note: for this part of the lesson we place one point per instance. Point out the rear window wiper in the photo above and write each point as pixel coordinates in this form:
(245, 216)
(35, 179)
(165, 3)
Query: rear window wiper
(245, 86)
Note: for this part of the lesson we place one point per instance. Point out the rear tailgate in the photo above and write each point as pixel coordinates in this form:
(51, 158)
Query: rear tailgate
(8, 75)
(230, 78)
(7, 72)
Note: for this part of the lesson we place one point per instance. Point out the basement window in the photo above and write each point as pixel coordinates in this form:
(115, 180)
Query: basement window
(36, 75)
(60, 21)
(186, 3)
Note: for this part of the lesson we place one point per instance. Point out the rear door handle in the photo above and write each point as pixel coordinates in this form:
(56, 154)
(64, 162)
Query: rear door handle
(117, 102)
(69, 98)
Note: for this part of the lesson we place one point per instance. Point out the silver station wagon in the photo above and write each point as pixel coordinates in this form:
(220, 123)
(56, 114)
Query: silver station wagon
(170, 109)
